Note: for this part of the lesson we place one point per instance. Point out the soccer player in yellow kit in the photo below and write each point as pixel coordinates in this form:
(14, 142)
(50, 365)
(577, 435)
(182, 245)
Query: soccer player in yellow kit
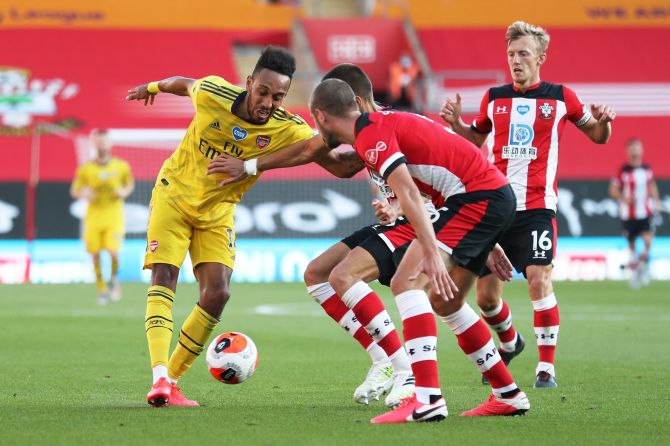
(191, 211)
(105, 183)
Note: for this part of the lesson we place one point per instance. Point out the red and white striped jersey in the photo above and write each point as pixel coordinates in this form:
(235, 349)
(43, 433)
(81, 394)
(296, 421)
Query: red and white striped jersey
(440, 162)
(635, 186)
(526, 130)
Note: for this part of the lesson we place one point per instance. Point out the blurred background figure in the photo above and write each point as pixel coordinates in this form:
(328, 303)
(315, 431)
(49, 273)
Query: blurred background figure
(635, 189)
(105, 182)
(403, 76)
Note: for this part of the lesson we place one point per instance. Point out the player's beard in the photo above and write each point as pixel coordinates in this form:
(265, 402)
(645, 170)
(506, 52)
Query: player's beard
(331, 140)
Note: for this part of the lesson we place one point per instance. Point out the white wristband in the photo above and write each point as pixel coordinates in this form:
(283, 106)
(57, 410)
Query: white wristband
(250, 167)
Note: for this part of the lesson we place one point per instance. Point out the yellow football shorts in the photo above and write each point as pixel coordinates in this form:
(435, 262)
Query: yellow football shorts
(99, 237)
(170, 235)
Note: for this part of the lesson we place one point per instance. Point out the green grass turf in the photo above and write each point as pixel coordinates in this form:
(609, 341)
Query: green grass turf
(75, 373)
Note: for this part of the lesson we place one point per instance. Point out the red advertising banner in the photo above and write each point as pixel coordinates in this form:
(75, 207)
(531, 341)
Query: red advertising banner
(372, 44)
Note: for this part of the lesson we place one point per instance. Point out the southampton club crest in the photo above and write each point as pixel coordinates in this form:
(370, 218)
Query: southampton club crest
(22, 97)
(546, 111)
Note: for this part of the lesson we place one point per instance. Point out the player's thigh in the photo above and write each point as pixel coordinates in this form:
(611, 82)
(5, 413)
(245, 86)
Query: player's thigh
(472, 223)
(404, 279)
(168, 235)
(464, 279)
(214, 245)
(356, 266)
(93, 237)
(319, 269)
(531, 240)
(387, 248)
(113, 239)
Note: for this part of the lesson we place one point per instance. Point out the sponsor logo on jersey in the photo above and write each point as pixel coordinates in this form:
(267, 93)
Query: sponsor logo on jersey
(501, 110)
(211, 152)
(520, 138)
(239, 134)
(153, 245)
(215, 125)
(523, 109)
(372, 155)
(262, 141)
(546, 111)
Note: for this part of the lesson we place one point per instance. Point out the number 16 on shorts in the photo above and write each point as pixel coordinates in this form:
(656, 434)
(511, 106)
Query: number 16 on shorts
(541, 244)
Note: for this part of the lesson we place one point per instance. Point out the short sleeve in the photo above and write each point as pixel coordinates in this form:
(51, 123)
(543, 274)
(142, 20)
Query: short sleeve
(482, 123)
(299, 130)
(576, 111)
(201, 90)
(378, 147)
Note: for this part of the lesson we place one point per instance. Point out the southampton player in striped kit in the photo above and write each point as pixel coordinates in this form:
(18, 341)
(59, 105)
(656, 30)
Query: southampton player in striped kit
(419, 158)
(525, 120)
(636, 191)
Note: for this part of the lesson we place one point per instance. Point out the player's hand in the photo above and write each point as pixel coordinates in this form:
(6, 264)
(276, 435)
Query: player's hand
(384, 212)
(227, 165)
(499, 264)
(451, 111)
(602, 113)
(141, 93)
(433, 266)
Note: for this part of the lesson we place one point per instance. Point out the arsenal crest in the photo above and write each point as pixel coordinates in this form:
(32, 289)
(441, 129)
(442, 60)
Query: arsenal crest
(262, 141)
(546, 111)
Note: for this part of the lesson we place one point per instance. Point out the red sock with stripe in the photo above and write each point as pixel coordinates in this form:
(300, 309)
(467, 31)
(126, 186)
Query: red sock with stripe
(476, 342)
(420, 332)
(325, 296)
(546, 321)
(371, 314)
(500, 321)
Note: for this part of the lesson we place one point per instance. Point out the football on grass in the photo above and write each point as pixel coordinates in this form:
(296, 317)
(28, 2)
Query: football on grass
(232, 358)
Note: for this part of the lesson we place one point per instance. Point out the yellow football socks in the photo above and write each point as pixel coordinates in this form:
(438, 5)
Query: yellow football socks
(115, 268)
(158, 323)
(99, 281)
(192, 339)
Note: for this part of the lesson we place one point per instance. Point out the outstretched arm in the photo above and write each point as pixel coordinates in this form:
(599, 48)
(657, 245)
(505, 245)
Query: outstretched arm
(176, 85)
(340, 164)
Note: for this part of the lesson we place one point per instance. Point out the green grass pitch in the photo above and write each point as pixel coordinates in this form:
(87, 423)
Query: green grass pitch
(75, 373)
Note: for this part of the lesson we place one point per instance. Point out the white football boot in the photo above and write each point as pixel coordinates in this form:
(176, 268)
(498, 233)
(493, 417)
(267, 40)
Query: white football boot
(378, 381)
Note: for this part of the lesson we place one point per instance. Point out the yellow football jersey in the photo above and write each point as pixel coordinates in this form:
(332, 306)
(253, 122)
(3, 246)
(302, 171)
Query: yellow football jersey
(103, 181)
(214, 130)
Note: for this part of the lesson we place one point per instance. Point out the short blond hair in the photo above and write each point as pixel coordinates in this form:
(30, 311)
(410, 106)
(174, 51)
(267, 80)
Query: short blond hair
(519, 29)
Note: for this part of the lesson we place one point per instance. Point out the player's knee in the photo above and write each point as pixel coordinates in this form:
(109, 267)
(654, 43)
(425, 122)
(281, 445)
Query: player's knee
(539, 284)
(486, 300)
(214, 298)
(339, 279)
(315, 274)
(398, 285)
(164, 275)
